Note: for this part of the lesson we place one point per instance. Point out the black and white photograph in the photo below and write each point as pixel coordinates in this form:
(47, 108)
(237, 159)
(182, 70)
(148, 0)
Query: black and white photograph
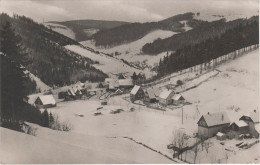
(129, 82)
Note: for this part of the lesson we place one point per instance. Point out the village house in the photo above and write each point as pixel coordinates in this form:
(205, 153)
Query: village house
(136, 93)
(178, 99)
(45, 101)
(252, 119)
(165, 97)
(210, 124)
(240, 127)
(151, 95)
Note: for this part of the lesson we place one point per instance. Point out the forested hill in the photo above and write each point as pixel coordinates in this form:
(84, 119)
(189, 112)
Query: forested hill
(134, 31)
(83, 29)
(49, 60)
(200, 33)
(243, 35)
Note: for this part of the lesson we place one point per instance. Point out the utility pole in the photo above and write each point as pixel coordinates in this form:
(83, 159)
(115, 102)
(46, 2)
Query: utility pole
(182, 115)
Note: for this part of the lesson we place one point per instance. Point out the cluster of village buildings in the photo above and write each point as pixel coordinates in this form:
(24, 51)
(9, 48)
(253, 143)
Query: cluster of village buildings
(219, 125)
(209, 125)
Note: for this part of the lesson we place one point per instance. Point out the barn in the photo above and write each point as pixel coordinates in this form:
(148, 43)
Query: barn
(241, 127)
(151, 95)
(178, 99)
(136, 93)
(125, 83)
(210, 124)
(165, 97)
(45, 101)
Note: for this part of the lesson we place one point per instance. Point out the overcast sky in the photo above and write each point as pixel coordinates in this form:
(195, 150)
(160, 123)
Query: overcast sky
(121, 10)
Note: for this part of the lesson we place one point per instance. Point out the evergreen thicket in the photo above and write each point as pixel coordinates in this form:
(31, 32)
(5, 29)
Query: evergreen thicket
(243, 35)
(15, 82)
(47, 57)
(201, 32)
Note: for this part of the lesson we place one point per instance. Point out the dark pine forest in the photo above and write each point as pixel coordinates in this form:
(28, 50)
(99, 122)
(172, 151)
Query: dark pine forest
(240, 36)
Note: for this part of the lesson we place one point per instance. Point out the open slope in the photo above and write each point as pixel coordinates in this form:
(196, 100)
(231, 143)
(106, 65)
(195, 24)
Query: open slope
(53, 147)
(61, 29)
(84, 29)
(107, 64)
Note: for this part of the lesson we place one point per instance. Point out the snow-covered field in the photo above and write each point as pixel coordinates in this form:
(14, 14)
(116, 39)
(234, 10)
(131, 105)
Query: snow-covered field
(64, 30)
(107, 64)
(131, 52)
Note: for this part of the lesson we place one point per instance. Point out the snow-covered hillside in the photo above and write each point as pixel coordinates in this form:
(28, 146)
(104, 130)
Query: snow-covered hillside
(54, 147)
(61, 29)
(107, 64)
(210, 16)
(131, 52)
(39, 84)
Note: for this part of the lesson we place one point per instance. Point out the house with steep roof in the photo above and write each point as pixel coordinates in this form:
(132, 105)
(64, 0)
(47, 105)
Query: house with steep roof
(45, 101)
(252, 119)
(252, 116)
(165, 97)
(210, 124)
(151, 95)
(136, 93)
(178, 99)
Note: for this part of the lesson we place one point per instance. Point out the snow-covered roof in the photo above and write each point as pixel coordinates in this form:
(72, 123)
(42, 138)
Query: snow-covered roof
(47, 99)
(107, 80)
(240, 123)
(118, 91)
(135, 89)
(125, 82)
(165, 93)
(254, 115)
(176, 97)
(71, 92)
(219, 134)
(215, 119)
(257, 127)
(153, 92)
(114, 83)
(80, 84)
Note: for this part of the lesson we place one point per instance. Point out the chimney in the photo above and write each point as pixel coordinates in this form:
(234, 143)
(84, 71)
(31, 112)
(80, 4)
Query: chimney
(222, 117)
(254, 110)
(208, 113)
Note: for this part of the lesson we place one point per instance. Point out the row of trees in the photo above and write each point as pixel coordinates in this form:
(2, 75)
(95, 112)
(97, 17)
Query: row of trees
(202, 31)
(236, 38)
(134, 31)
(47, 57)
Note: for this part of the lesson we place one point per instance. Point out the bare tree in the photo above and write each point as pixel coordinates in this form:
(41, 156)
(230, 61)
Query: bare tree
(196, 151)
(179, 141)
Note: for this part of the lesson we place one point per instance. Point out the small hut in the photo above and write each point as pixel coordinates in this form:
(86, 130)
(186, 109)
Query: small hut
(45, 101)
